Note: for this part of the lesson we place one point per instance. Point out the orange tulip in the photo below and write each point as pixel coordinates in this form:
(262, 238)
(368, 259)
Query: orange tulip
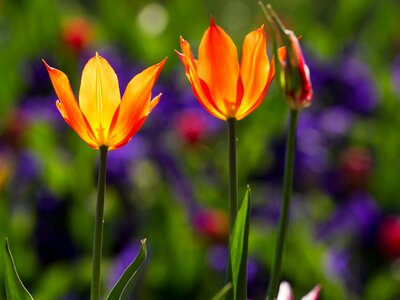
(101, 118)
(224, 88)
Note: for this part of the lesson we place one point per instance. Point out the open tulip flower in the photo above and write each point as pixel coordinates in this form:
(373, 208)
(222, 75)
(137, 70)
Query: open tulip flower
(224, 88)
(286, 293)
(101, 118)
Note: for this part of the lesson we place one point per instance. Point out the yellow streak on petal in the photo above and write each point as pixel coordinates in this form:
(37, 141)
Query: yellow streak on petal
(99, 96)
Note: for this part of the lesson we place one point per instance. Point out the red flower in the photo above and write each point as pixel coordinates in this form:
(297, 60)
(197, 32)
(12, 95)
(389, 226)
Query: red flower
(77, 33)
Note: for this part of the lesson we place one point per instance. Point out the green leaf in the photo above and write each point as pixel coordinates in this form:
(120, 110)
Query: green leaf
(221, 294)
(238, 249)
(15, 290)
(125, 285)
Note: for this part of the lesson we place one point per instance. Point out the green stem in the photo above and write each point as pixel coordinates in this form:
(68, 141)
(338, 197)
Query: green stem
(233, 190)
(233, 179)
(3, 233)
(287, 194)
(98, 227)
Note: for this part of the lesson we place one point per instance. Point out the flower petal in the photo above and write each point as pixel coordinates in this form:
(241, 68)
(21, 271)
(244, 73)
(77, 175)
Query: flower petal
(218, 67)
(68, 106)
(135, 105)
(136, 126)
(199, 88)
(99, 95)
(313, 294)
(254, 71)
(154, 102)
(285, 291)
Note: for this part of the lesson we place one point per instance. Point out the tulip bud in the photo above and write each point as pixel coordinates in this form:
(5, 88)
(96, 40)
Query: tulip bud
(293, 72)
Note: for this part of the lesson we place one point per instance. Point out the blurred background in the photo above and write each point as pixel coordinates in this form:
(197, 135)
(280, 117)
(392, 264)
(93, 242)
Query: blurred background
(169, 184)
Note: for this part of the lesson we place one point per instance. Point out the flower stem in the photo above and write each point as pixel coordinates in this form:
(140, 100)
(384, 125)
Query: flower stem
(98, 227)
(233, 190)
(287, 194)
(233, 179)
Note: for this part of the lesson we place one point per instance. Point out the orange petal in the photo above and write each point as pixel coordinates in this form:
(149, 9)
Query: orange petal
(218, 67)
(68, 106)
(200, 89)
(135, 104)
(254, 70)
(137, 125)
(99, 95)
(128, 136)
(154, 102)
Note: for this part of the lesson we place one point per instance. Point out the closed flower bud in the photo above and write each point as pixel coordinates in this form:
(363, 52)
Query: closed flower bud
(294, 74)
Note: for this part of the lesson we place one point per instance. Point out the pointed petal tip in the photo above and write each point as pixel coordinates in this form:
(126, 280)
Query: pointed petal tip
(162, 63)
(47, 65)
(261, 29)
(212, 22)
(177, 52)
(154, 102)
(182, 41)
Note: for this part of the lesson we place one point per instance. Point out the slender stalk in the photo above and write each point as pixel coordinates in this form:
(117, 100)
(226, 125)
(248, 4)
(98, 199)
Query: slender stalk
(233, 179)
(287, 194)
(233, 191)
(98, 227)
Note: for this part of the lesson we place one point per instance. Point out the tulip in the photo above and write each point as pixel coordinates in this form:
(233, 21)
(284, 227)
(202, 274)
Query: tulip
(105, 122)
(229, 91)
(226, 89)
(101, 118)
(294, 74)
(294, 78)
(286, 293)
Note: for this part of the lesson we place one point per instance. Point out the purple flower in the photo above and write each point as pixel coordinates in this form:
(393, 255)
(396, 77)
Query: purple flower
(336, 121)
(121, 162)
(217, 256)
(349, 83)
(396, 75)
(354, 218)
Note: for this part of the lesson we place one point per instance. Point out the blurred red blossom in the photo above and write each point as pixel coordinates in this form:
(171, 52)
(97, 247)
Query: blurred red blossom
(77, 33)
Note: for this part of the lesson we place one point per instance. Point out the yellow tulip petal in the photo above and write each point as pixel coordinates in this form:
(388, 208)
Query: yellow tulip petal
(218, 67)
(99, 95)
(254, 70)
(68, 106)
(135, 104)
(200, 89)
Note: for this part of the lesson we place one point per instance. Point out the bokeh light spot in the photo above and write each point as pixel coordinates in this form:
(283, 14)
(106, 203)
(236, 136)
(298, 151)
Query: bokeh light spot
(153, 19)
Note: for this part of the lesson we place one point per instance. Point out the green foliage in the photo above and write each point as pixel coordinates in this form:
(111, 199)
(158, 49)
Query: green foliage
(125, 285)
(239, 248)
(222, 293)
(15, 289)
